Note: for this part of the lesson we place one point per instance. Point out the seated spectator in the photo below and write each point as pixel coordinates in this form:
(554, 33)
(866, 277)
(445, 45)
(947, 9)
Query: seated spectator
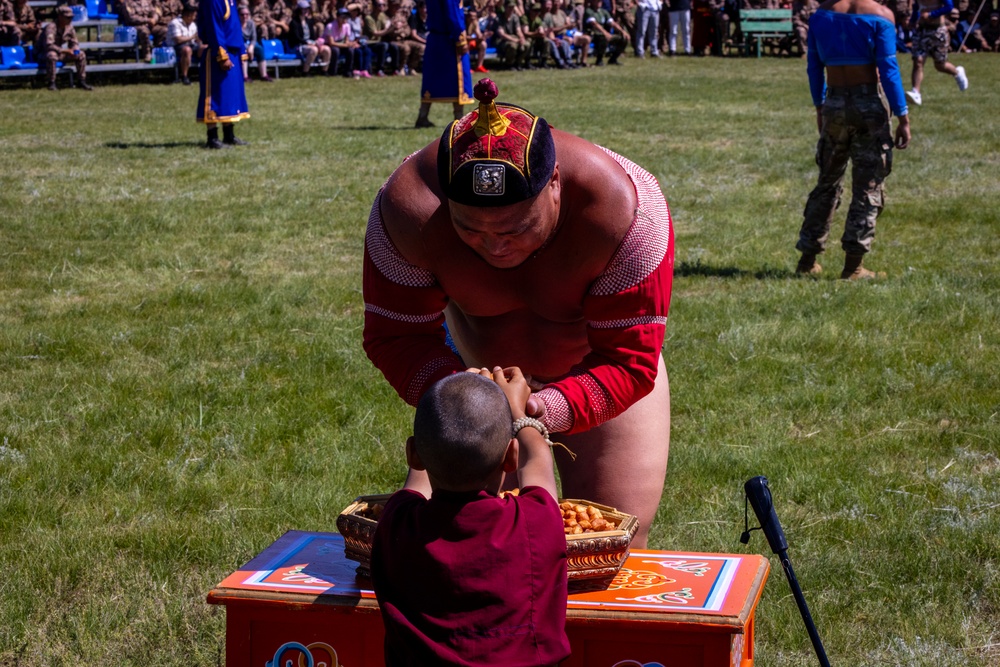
(356, 22)
(418, 34)
(340, 37)
(58, 42)
(377, 26)
(576, 18)
(623, 12)
(325, 13)
(488, 22)
(554, 20)
(281, 18)
(543, 46)
(253, 50)
(398, 35)
(26, 21)
(512, 45)
(167, 11)
(142, 15)
(302, 40)
(182, 36)
(607, 35)
(991, 32)
(476, 40)
(971, 33)
(260, 12)
(10, 32)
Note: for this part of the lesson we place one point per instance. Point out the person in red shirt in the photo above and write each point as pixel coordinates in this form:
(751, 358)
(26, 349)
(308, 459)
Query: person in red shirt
(463, 577)
(540, 250)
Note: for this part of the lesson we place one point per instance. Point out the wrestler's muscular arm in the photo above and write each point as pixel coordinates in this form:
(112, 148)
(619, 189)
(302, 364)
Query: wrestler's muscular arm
(404, 304)
(626, 305)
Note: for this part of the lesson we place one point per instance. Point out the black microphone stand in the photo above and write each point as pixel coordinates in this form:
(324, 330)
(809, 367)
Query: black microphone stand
(759, 496)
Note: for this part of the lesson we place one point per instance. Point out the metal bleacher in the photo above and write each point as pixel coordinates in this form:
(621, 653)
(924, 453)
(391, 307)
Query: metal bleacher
(106, 51)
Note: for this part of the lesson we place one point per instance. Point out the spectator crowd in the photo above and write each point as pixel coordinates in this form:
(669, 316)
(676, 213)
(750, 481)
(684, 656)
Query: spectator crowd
(380, 38)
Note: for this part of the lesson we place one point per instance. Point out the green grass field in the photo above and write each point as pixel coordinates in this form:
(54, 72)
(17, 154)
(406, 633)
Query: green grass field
(182, 379)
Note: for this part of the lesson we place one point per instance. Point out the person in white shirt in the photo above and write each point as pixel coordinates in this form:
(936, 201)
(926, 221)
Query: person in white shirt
(647, 26)
(182, 35)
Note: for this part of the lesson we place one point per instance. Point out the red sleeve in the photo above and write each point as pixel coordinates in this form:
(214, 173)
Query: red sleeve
(404, 316)
(626, 311)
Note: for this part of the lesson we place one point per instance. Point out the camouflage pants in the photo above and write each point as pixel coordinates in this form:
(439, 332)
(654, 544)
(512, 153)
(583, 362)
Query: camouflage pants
(52, 57)
(856, 128)
(931, 42)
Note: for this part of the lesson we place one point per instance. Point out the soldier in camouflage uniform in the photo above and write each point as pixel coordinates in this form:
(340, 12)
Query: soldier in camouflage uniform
(167, 10)
(57, 42)
(143, 16)
(26, 21)
(10, 33)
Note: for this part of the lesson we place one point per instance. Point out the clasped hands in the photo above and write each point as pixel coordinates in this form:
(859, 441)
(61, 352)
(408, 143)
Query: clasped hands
(534, 406)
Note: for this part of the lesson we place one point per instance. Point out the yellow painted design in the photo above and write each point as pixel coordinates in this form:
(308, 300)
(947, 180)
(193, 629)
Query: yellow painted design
(490, 121)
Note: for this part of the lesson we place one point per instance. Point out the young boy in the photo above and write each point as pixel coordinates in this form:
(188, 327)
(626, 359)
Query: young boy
(463, 577)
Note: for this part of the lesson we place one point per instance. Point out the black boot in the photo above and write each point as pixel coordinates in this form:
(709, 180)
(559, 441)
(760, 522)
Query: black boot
(229, 138)
(213, 139)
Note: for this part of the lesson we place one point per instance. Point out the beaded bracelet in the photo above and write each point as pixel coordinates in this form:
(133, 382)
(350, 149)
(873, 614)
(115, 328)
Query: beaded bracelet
(536, 424)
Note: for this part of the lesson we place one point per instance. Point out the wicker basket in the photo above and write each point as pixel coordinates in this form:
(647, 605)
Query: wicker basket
(359, 531)
(592, 559)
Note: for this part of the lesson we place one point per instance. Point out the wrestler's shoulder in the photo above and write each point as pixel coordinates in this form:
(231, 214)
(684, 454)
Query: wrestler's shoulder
(876, 8)
(600, 188)
(410, 197)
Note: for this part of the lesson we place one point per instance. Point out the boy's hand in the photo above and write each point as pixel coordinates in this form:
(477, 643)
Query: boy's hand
(530, 407)
(515, 388)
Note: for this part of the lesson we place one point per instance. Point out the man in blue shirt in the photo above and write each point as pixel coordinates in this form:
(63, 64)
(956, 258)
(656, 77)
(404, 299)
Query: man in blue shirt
(851, 49)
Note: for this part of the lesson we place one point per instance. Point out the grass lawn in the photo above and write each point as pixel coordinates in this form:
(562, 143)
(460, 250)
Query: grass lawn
(182, 379)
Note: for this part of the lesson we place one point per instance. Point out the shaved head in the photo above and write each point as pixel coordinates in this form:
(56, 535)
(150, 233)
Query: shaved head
(461, 430)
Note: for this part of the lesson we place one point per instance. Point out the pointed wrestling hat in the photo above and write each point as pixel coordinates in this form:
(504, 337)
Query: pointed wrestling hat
(497, 155)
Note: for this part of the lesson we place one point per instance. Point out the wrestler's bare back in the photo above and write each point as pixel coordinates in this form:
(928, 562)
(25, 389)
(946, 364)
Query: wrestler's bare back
(530, 315)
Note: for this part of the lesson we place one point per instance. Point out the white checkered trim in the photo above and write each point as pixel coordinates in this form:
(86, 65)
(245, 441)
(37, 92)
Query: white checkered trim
(387, 259)
(600, 401)
(401, 317)
(630, 322)
(646, 241)
(558, 417)
(416, 388)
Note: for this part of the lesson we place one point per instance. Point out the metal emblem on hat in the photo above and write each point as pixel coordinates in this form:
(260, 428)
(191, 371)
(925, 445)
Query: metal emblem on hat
(487, 179)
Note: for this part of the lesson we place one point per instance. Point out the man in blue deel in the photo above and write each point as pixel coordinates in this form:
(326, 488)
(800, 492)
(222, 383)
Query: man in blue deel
(222, 98)
(447, 77)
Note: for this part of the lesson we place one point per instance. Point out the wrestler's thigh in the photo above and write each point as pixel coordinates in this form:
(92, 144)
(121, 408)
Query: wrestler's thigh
(623, 462)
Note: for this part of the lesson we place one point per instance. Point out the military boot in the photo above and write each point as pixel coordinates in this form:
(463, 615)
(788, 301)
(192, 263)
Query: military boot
(854, 271)
(808, 266)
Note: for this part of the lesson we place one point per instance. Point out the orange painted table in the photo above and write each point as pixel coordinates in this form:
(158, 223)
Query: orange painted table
(300, 603)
